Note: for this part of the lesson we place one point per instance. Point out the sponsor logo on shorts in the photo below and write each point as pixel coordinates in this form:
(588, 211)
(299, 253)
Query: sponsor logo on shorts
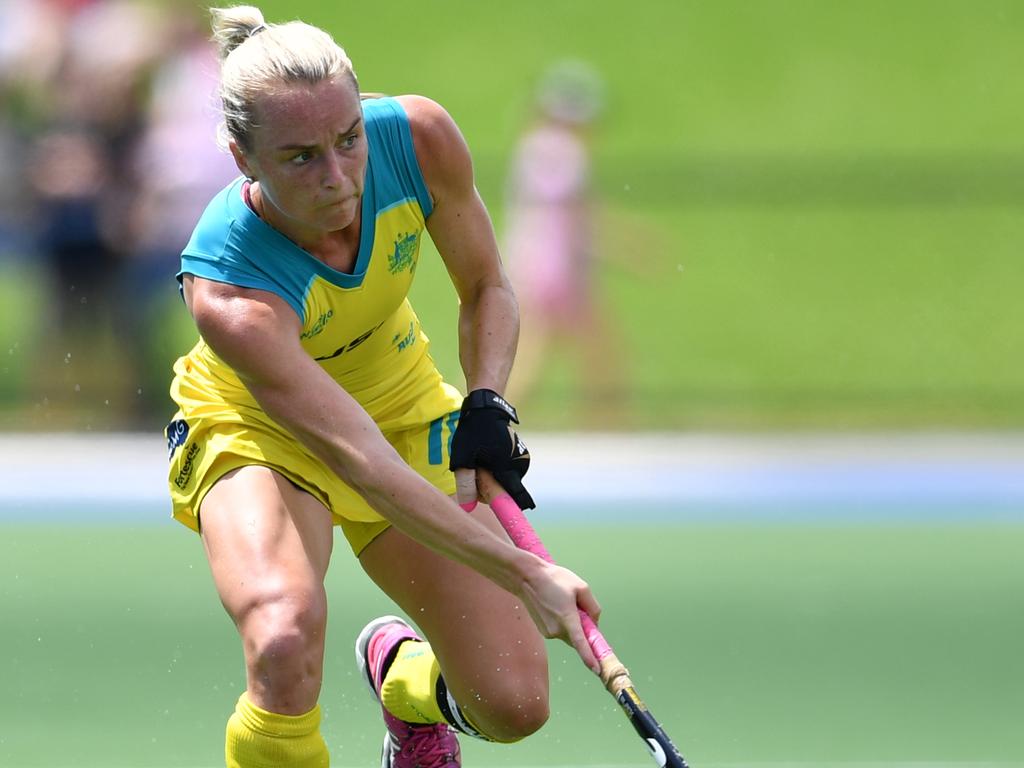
(177, 434)
(185, 473)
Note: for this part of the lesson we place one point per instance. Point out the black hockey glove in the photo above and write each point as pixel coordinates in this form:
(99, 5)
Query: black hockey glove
(484, 439)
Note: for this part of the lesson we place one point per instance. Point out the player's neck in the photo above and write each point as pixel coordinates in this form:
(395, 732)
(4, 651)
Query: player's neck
(338, 249)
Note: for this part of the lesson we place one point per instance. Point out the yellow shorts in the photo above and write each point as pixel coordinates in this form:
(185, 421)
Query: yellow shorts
(204, 451)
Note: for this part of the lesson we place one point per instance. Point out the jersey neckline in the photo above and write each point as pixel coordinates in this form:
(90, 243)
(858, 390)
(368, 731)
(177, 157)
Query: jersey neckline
(282, 246)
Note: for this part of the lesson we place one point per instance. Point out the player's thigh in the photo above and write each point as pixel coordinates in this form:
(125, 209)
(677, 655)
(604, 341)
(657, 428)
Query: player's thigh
(479, 632)
(265, 540)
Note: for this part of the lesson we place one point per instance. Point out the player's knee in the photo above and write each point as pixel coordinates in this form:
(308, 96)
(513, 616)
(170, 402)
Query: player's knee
(284, 649)
(513, 712)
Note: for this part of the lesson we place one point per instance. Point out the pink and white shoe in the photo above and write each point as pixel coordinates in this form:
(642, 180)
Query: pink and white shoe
(406, 745)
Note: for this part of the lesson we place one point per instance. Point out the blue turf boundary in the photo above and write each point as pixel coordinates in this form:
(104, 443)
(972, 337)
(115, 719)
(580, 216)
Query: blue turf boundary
(602, 478)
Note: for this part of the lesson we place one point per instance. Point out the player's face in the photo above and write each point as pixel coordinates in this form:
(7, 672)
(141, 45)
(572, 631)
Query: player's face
(309, 156)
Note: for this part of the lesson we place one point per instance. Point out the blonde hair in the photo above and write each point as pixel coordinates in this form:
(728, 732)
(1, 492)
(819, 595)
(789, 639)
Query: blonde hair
(256, 57)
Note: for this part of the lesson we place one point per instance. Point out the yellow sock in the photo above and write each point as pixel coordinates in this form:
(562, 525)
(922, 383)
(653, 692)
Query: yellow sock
(409, 691)
(260, 739)
(414, 691)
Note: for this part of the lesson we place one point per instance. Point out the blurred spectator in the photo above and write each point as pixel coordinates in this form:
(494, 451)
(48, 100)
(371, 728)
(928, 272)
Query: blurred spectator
(107, 156)
(179, 167)
(80, 173)
(31, 47)
(549, 245)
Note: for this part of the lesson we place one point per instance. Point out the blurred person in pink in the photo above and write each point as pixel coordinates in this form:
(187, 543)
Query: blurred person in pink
(549, 239)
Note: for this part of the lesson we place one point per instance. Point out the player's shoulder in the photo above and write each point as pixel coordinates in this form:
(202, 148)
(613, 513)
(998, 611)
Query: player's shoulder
(428, 121)
(437, 139)
(228, 314)
(378, 107)
(424, 112)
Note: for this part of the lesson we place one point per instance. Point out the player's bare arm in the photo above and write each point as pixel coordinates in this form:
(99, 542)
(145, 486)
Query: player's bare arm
(488, 313)
(257, 334)
(462, 231)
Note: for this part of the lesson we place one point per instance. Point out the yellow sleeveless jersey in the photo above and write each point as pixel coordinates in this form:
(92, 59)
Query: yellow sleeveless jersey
(359, 326)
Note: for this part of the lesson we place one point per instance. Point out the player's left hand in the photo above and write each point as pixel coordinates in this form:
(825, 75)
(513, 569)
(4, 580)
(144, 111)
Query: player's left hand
(485, 439)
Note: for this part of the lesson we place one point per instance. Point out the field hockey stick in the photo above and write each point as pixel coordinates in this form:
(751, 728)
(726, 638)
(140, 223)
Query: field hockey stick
(613, 673)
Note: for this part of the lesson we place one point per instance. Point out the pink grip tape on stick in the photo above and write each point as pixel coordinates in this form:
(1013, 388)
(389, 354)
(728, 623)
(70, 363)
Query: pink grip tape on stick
(613, 674)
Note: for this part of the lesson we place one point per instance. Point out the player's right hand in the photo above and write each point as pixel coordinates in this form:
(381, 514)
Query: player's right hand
(485, 439)
(554, 601)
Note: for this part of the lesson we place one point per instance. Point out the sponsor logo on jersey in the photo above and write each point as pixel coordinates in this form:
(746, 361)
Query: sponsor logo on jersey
(318, 326)
(352, 344)
(408, 341)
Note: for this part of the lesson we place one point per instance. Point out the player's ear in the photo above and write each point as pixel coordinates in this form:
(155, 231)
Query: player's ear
(240, 159)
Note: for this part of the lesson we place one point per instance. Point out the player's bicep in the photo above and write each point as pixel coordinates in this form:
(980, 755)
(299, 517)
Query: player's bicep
(249, 330)
(257, 335)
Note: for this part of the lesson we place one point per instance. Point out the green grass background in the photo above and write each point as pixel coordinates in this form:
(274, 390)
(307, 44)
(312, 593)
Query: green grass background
(751, 644)
(812, 213)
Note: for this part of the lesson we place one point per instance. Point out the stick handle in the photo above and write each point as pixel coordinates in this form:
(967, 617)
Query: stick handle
(614, 674)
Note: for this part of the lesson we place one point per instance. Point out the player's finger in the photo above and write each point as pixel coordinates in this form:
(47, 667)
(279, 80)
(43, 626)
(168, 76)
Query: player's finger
(578, 640)
(486, 485)
(465, 488)
(588, 604)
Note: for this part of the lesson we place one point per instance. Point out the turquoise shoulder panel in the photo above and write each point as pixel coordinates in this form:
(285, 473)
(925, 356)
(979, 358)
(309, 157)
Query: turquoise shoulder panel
(225, 244)
(396, 172)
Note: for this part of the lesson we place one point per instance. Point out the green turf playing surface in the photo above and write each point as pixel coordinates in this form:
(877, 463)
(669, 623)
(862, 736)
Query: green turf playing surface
(751, 644)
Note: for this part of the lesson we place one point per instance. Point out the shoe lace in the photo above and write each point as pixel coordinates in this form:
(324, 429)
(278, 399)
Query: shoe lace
(427, 747)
